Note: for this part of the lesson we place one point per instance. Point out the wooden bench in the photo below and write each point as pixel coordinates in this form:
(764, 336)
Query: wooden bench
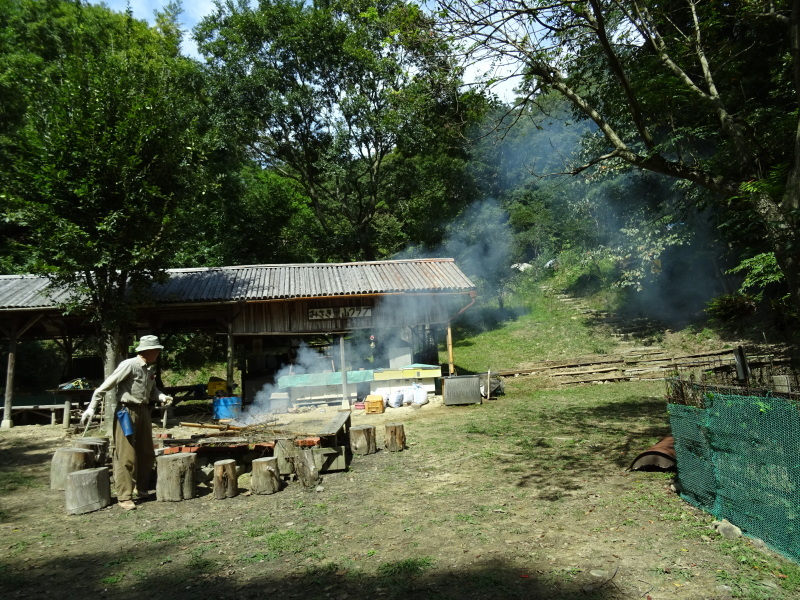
(337, 428)
(45, 410)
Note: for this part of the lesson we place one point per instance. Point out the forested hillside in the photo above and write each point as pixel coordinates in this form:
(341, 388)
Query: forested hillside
(653, 146)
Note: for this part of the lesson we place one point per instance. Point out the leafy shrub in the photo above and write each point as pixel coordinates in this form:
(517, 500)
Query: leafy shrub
(731, 307)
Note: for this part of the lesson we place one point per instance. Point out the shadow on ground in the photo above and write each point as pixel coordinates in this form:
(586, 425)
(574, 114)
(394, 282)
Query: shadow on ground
(93, 575)
(564, 447)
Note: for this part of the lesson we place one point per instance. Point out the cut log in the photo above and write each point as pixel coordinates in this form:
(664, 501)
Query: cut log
(97, 445)
(66, 461)
(305, 467)
(265, 476)
(395, 437)
(88, 490)
(362, 439)
(176, 477)
(226, 482)
(284, 448)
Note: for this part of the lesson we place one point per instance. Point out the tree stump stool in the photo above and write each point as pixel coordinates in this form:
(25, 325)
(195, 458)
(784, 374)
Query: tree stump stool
(265, 477)
(67, 460)
(362, 439)
(226, 482)
(395, 437)
(88, 490)
(97, 445)
(305, 467)
(284, 448)
(176, 477)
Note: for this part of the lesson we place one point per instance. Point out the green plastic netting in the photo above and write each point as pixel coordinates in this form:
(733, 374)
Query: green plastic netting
(738, 458)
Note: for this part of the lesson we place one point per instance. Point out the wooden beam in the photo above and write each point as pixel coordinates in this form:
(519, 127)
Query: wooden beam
(450, 348)
(343, 368)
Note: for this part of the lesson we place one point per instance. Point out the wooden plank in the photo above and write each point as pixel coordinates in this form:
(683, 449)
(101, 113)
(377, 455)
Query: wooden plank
(585, 372)
(336, 423)
(330, 459)
(598, 379)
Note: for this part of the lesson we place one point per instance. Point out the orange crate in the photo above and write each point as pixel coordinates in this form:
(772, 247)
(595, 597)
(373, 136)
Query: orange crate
(374, 407)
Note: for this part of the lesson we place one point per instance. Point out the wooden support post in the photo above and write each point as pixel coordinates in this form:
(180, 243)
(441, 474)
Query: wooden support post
(7, 422)
(230, 357)
(450, 348)
(67, 411)
(362, 439)
(176, 477)
(99, 446)
(265, 476)
(88, 490)
(226, 482)
(343, 367)
(395, 437)
(13, 333)
(305, 467)
(66, 461)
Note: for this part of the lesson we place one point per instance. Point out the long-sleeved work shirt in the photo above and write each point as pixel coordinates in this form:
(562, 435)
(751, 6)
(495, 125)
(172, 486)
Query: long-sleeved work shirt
(134, 380)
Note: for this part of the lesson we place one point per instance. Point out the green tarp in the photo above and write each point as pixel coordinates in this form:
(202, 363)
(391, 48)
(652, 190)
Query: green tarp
(311, 379)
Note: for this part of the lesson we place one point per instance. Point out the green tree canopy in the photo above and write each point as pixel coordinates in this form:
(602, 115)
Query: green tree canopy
(704, 92)
(350, 99)
(102, 159)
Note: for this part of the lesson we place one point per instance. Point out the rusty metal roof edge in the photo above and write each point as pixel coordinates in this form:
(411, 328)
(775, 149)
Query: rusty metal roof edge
(288, 298)
(389, 278)
(307, 265)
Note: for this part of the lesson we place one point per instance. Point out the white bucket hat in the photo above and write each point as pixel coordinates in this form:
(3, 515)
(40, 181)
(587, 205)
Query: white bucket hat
(149, 342)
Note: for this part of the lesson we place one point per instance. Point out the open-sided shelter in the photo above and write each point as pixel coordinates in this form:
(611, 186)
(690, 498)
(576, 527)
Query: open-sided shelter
(249, 304)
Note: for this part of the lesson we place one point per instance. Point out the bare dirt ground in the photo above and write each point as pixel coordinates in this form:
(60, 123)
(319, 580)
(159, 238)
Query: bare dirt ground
(525, 496)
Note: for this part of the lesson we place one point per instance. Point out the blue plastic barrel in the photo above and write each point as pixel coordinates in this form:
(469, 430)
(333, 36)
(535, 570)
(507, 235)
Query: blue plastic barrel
(227, 408)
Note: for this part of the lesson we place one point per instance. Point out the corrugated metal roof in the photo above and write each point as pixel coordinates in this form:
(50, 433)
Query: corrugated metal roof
(271, 282)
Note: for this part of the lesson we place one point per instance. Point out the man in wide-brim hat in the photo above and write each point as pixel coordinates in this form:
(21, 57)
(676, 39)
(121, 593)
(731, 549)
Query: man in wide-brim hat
(135, 382)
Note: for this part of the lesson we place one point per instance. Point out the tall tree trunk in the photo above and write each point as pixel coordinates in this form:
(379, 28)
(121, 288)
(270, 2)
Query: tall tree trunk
(112, 355)
(790, 206)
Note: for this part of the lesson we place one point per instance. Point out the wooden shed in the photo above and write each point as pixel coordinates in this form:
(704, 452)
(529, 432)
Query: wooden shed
(254, 304)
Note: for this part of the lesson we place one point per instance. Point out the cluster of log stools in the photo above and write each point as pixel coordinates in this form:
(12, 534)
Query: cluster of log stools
(82, 473)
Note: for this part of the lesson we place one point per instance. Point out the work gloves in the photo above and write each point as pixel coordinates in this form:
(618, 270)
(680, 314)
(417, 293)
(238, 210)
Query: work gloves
(87, 415)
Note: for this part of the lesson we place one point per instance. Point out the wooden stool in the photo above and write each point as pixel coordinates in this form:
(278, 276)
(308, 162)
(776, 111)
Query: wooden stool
(395, 437)
(67, 460)
(226, 482)
(176, 480)
(362, 439)
(88, 490)
(265, 477)
(97, 445)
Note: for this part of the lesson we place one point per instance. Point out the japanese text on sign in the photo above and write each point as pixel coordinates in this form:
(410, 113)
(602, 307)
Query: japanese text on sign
(339, 312)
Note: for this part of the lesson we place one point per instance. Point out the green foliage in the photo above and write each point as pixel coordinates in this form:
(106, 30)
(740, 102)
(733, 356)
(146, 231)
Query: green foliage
(760, 272)
(355, 103)
(731, 307)
(107, 157)
(702, 93)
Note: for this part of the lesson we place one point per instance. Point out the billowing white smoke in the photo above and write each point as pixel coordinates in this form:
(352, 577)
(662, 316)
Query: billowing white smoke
(307, 360)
